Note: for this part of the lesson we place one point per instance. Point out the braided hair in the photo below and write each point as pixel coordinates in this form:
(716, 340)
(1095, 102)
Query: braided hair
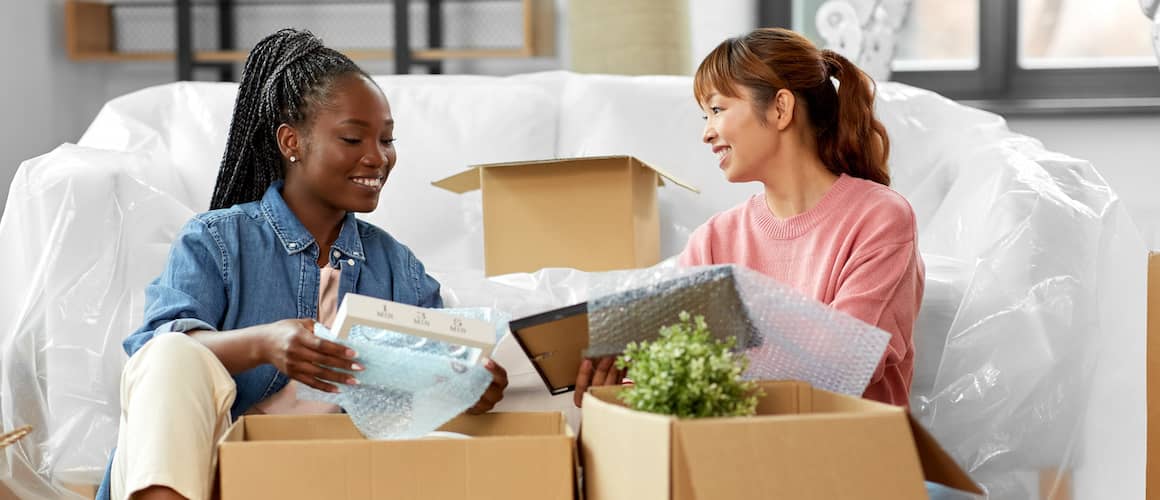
(286, 77)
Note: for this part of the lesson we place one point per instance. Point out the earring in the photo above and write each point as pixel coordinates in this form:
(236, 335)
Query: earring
(293, 158)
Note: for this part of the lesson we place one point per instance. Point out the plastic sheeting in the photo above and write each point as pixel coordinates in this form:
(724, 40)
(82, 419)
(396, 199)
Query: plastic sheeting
(785, 334)
(1030, 339)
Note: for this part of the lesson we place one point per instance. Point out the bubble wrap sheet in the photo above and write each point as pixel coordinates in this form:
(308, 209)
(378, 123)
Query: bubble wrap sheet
(410, 385)
(786, 334)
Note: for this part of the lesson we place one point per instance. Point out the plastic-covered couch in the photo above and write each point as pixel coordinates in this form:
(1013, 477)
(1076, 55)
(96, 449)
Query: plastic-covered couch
(1030, 339)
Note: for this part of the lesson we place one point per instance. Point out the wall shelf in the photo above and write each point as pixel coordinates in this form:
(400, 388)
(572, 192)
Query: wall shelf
(91, 29)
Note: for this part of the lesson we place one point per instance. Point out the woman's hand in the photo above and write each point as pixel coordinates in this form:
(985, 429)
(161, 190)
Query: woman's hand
(593, 372)
(494, 392)
(291, 346)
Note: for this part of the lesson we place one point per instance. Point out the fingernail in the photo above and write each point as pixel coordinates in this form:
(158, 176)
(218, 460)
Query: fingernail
(352, 381)
(490, 363)
(356, 367)
(351, 354)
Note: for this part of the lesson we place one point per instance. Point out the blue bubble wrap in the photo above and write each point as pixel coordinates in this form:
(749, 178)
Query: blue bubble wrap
(410, 385)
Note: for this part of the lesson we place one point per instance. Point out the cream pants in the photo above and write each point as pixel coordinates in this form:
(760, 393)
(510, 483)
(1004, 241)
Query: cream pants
(175, 405)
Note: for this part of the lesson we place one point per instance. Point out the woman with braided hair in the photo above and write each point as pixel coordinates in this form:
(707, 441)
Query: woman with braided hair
(228, 324)
(800, 121)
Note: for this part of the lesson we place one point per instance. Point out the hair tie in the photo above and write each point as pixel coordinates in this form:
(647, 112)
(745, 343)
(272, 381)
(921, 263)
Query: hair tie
(832, 62)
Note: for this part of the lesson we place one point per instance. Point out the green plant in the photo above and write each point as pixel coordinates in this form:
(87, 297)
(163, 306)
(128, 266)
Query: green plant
(688, 374)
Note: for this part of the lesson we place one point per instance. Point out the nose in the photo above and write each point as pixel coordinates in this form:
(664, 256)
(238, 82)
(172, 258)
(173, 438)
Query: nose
(379, 157)
(709, 133)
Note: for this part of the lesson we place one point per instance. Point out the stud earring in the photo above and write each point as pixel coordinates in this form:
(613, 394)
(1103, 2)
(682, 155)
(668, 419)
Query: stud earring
(293, 158)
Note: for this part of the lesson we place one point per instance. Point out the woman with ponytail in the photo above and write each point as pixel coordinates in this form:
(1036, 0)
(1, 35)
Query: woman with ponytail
(228, 324)
(801, 122)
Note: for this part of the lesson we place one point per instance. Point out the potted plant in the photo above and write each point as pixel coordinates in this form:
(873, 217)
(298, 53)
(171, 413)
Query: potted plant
(688, 374)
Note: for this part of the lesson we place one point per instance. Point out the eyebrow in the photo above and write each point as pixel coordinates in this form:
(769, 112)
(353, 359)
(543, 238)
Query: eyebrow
(361, 123)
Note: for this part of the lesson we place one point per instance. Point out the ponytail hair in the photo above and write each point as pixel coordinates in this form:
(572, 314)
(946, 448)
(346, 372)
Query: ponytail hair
(286, 77)
(849, 138)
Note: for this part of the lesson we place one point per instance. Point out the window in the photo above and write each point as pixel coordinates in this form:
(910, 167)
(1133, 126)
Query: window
(939, 35)
(1017, 56)
(1062, 34)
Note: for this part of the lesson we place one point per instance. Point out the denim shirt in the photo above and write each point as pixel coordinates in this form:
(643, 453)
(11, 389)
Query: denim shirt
(255, 263)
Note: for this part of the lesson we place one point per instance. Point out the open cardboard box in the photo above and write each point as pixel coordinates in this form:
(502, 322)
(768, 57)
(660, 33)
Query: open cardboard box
(804, 443)
(548, 213)
(511, 456)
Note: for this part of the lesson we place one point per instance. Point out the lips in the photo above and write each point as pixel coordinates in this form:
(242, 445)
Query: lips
(722, 153)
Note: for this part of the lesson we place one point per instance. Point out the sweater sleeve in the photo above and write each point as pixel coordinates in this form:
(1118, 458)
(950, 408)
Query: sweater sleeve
(883, 287)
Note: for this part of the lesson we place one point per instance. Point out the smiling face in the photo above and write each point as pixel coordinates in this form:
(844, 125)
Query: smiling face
(745, 145)
(343, 159)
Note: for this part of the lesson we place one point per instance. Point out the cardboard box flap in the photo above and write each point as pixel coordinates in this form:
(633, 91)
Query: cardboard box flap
(236, 433)
(784, 397)
(467, 180)
(673, 179)
(339, 427)
(293, 427)
(554, 341)
(626, 453)
(937, 466)
(509, 424)
(866, 456)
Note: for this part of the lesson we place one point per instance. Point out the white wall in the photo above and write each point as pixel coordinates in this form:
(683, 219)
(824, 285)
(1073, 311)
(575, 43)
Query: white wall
(49, 99)
(714, 21)
(1124, 149)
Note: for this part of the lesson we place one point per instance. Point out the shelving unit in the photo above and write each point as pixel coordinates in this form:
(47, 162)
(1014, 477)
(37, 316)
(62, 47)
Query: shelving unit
(91, 27)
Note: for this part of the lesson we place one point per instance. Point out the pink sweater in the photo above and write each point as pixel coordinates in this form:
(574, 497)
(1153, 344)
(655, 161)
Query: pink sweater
(856, 251)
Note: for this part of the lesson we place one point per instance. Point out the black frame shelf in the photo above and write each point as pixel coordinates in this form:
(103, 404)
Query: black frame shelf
(89, 33)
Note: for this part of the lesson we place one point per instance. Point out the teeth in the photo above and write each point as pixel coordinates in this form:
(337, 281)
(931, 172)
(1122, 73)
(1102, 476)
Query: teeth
(369, 181)
(722, 152)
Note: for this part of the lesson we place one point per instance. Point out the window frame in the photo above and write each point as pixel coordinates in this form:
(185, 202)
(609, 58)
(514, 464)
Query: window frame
(1000, 84)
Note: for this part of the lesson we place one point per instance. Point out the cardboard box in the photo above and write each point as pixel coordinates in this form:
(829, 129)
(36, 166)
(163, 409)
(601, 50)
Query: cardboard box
(805, 443)
(1152, 467)
(84, 490)
(290, 457)
(592, 214)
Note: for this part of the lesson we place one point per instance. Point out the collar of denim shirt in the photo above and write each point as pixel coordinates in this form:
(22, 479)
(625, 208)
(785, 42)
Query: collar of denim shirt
(294, 236)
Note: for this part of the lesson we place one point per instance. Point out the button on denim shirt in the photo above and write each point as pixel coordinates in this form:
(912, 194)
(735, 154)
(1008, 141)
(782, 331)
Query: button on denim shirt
(255, 263)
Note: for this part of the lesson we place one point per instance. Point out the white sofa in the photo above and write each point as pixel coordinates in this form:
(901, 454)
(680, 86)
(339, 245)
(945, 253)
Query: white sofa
(1030, 341)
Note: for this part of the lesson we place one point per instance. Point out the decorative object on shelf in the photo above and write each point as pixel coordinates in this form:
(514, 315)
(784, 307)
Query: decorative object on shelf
(1151, 7)
(1152, 11)
(864, 31)
(639, 37)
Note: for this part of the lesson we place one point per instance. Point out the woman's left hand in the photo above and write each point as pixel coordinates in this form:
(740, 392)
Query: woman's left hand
(494, 392)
